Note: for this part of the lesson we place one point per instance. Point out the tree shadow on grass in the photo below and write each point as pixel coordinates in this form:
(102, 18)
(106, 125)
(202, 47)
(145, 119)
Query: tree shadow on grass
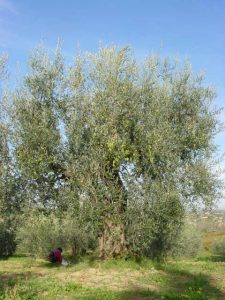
(10, 256)
(180, 285)
(73, 261)
(9, 280)
(49, 265)
(195, 292)
(188, 285)
(213, 258)
(139, 294)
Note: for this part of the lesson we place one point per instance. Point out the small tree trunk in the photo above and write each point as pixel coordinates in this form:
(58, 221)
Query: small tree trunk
(74, 250)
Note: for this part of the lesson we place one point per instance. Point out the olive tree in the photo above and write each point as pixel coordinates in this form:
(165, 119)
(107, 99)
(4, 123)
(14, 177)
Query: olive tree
(148, 128)
(124, 146)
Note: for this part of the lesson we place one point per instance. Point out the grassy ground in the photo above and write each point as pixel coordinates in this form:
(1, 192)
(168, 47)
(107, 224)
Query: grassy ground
(197, 279)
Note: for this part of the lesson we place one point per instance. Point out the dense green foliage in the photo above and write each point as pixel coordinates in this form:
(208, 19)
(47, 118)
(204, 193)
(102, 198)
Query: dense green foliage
(189, 243)
(7, 239)
(40, 234)
(218, 247)
(119, 148)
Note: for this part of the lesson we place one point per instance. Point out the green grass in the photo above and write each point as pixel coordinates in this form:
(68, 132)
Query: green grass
(194, 279)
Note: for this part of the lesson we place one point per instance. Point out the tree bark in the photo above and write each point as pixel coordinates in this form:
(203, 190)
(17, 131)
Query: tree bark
(112, 242)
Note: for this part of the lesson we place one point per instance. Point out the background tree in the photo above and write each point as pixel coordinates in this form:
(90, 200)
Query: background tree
(8, 199)
(37, 143)
(3, 143)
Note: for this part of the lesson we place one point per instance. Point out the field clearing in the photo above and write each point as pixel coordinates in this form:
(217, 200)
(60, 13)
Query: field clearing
(26, 278)
(199, 278)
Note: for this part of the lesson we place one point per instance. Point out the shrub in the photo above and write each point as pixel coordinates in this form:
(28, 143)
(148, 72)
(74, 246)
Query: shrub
(142, 238)
(7, 240)
(218, 247)
(79, 234)
(40, 234)
(189, 242)
(154, 224)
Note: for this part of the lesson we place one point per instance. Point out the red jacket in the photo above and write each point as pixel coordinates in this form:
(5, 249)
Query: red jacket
(58, 255)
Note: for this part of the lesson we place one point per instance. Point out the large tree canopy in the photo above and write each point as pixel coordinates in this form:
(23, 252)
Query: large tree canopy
(128, 146)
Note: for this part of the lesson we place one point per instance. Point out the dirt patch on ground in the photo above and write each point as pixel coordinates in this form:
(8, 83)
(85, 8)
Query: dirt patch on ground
(112, 279)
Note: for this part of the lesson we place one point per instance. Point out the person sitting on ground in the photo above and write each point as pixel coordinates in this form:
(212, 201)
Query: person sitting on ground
(56, 256)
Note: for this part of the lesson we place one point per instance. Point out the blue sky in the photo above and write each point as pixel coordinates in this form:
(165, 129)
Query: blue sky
(188, 29)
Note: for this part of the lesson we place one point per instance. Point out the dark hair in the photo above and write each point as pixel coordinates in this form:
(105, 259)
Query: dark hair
(60, 249)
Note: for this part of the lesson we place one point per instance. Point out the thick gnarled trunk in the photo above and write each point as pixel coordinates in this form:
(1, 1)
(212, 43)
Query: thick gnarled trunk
(112, 242)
